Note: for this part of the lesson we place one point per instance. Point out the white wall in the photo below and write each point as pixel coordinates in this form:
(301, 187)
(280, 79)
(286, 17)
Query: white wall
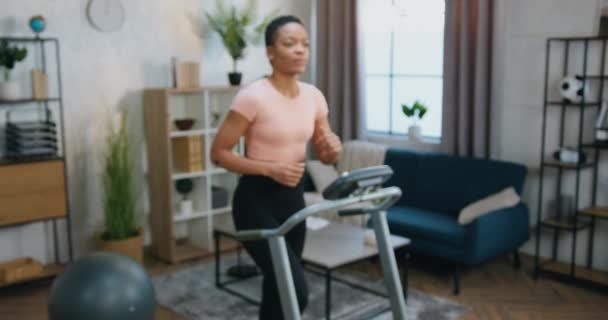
(521, 30)
(104, 71)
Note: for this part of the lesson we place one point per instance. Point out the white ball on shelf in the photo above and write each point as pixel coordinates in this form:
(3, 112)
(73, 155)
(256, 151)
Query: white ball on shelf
(573, 88)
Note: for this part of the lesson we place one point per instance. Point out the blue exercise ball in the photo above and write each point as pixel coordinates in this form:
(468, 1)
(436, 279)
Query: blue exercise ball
(102, 286)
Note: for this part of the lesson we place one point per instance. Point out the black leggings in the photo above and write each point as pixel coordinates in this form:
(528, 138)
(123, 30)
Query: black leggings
(261, 203)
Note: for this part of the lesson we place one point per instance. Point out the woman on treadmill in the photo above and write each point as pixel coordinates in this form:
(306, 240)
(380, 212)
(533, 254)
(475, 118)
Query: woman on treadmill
(278, 115)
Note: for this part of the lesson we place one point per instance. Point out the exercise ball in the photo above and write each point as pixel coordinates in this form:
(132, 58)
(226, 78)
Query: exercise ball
(102, 286)
(573, 88)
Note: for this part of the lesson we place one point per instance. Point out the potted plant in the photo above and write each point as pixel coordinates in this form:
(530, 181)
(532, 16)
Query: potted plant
(416, 112)
(237, 31)
(184, 187)
(9, 56)
(121, 233)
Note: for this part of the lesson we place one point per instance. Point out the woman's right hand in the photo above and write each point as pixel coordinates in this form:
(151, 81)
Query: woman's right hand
(288, 174)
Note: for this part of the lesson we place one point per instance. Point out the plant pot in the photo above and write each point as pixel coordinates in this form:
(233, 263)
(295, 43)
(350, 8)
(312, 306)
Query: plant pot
(185, 207)
(414, 133)
(131, 247)
(9, 90)
(235, 78)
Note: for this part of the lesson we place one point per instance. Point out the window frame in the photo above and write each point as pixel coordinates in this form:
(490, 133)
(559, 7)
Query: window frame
(391, 75)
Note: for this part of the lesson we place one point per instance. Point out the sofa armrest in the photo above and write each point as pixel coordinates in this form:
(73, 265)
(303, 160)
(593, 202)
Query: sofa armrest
(497, 232)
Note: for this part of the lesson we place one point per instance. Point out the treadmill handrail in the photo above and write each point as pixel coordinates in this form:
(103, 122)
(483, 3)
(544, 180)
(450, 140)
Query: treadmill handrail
(389, 194)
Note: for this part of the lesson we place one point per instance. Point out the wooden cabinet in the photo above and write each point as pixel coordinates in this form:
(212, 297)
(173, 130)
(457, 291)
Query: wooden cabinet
(32, 191)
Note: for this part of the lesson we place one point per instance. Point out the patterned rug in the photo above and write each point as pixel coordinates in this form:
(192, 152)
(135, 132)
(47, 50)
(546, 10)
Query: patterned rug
(192, 293)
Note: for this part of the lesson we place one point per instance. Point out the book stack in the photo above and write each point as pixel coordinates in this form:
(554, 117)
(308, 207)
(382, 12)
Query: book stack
(31, 139)
(188, 75)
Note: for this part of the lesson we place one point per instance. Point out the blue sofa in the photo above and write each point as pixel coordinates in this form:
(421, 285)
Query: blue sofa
(436, 187)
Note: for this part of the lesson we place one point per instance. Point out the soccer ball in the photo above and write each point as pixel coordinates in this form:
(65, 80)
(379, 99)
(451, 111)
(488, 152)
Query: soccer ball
(573, 88)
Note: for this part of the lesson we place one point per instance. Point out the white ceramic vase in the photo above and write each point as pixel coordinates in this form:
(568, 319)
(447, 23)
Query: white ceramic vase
(185, 207)
(414, 133)
(9, 90)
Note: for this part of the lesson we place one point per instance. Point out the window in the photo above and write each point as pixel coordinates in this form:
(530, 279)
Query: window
(403, 62)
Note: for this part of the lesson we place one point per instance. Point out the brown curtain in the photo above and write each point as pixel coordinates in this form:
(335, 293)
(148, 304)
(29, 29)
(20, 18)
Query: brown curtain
(467, 75)
(338, 67)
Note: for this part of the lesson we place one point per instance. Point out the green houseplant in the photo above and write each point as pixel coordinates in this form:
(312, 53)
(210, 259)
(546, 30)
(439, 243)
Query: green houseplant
(121, 233)
(237, 30)
(415, 112)
(9, 56)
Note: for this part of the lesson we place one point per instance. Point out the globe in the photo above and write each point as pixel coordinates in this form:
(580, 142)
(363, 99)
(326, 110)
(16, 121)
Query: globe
(37, 23)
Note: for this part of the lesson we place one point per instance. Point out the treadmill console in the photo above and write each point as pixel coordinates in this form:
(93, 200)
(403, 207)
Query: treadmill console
(356, 179)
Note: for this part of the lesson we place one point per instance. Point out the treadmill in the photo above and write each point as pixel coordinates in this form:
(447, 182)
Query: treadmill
(356, 192)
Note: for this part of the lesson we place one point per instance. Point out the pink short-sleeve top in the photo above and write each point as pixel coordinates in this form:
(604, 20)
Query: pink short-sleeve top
(280, 127)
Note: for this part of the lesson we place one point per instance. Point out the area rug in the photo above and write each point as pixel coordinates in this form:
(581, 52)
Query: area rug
(192, 293)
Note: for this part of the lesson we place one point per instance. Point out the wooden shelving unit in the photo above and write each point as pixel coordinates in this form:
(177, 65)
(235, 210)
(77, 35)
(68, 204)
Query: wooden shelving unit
(572, 105)
(36, 190)
(565, 225)
(179, 236)
(590, 277)
(27, 101)
(598, 212)
(567, 165)
(584, 216)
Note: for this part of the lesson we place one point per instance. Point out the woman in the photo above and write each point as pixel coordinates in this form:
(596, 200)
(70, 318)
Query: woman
(278, 115)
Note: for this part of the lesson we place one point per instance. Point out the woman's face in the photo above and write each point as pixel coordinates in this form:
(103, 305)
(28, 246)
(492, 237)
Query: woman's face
(289, 53)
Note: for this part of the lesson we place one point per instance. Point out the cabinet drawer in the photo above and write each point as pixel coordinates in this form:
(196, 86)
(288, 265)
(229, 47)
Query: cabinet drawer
(32, 191)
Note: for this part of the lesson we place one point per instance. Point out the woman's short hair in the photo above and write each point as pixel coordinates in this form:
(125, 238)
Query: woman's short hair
(276, 24)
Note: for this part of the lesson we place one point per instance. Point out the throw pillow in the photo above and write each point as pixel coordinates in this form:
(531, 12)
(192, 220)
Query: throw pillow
(502, 199)
(322, 175)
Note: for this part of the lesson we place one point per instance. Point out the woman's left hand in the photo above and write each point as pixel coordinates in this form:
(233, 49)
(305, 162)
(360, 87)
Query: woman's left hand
(328, 144)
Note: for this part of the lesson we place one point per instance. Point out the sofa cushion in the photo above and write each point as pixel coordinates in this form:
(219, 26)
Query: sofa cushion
(431, 225)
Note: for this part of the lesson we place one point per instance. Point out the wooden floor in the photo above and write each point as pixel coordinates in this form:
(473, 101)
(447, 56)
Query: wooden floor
(492, 291)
